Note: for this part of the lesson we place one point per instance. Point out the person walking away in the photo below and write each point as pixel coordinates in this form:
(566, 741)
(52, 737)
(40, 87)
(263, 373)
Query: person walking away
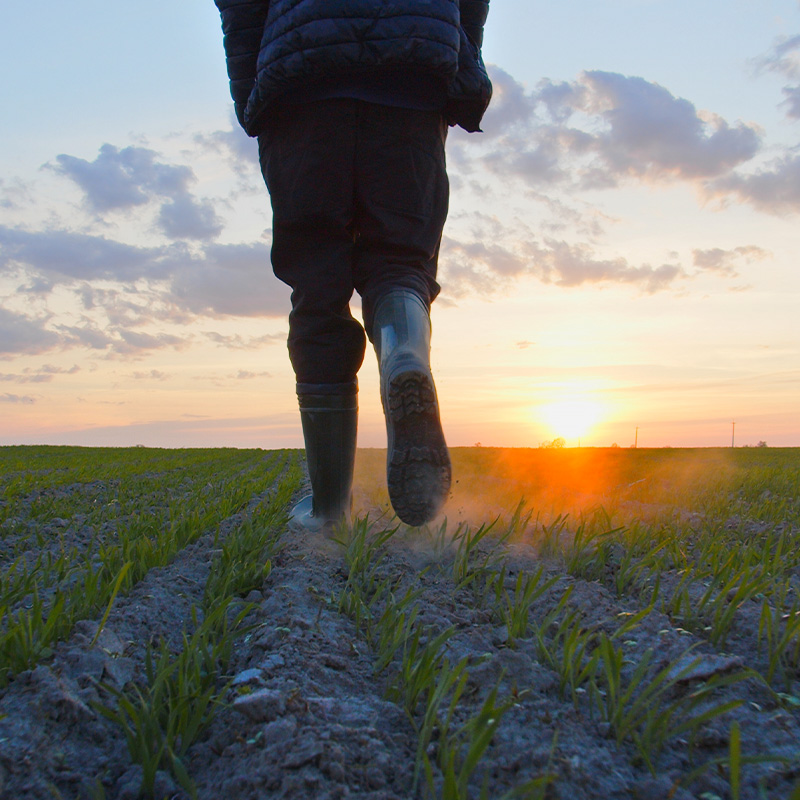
(351, 102)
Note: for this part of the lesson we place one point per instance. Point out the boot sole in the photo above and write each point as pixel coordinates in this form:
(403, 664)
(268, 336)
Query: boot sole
(418, 463)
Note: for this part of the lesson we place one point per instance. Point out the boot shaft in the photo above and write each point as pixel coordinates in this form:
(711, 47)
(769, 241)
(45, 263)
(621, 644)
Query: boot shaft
(402, 332)
(330, 423)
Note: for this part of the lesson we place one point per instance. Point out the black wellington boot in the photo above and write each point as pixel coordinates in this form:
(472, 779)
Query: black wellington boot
(417, 464)
(330, 421)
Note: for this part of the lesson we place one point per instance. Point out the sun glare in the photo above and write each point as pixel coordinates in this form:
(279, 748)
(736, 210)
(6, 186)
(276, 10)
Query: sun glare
(571, 418)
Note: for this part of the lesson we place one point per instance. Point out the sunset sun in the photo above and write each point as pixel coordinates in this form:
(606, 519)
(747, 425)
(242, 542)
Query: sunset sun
(571, 418)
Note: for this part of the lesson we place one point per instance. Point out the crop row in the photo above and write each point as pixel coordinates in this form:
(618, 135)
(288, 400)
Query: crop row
(100, 484)
(712, 580)
(42, 596)
(181, 692)
(641, 702)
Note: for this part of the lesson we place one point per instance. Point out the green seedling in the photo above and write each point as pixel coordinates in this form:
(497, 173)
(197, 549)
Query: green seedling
(535, 789)
(734, 763)
(466, 542)
(550, 539)
(364, 553)
(419, 666)
(460, 752)
(114, 591)
(30, 634)
(633, 557)
(519, 522)
(245, 561)
(779, 632)
(514, 611)
(488, 591)
(469, 564)
(642, 709)
(713, 612)
(179, 699)
(442, 683)
(587, 555)
(394, 628)
(566, 645)
(142, 543)
(439, 540)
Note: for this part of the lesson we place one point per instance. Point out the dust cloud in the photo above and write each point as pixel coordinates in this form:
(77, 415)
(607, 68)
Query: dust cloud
(490, 484)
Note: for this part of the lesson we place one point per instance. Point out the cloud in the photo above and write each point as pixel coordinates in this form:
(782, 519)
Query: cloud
(43, 374)
(14, 194)
(11, 378)
(231, 280)
(238, 149)
(784, 59)
(605, 128)
(775, 189)
(49, 369)
(244, 375)
(576, 265)
(87, 334)
(122, 292)
(118, 180)
(236, 342)
(136, 342)
(511, 107)
(60, 254)
(152, 375)
(601, 129)
(117, 340)
(20, 334)
(16, 398)
(217, 280)
(792, 101)
(487, 268)
(724, 261)
(121, 179)
(185, 218)
(653, 134)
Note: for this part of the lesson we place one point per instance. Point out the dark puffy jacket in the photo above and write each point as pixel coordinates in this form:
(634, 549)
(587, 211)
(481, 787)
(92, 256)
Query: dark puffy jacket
(273, 46)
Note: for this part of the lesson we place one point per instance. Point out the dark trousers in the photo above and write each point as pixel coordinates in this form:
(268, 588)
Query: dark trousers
(359, 197)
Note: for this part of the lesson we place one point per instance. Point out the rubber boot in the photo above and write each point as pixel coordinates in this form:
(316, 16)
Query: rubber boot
(329, 416)
(417, 463)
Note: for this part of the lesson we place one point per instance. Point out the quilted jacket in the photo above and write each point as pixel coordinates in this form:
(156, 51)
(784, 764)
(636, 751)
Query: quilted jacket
(275, 46)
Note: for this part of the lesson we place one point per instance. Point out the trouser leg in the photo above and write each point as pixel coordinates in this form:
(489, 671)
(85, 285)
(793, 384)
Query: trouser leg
(401, 203)
(306, 159)
(359, 195)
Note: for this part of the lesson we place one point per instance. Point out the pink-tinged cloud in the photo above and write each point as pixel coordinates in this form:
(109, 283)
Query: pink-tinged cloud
(20, 334)
(725, 262)
(774, 189)
(485, 268)
(602, 129)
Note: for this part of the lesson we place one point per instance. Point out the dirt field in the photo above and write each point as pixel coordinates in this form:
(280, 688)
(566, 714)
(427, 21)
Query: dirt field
(317, 697)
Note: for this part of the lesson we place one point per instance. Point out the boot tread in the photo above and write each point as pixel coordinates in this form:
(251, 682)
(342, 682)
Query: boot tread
(419, 472)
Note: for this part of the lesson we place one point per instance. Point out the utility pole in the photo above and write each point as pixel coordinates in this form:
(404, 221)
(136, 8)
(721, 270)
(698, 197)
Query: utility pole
(636, 438)
(733, 432)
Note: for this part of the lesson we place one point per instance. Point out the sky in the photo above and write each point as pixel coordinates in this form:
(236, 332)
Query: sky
(619, 266)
